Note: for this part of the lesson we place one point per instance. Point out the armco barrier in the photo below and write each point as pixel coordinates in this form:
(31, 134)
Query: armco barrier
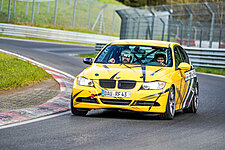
(52, 34)
(200, 57)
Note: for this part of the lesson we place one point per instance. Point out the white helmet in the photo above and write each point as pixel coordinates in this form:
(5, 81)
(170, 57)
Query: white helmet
(127, 53)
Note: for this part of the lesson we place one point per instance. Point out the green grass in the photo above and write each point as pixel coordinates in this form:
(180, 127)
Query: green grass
(47, 40)
(114, 2)
(64, 16)
(16, 73)
(93, 55)
(211, 70)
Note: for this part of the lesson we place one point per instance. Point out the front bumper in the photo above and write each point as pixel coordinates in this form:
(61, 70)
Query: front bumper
(141, 100)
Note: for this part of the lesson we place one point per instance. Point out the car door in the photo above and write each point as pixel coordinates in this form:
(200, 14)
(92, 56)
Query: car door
(190, 80)
(179, 80)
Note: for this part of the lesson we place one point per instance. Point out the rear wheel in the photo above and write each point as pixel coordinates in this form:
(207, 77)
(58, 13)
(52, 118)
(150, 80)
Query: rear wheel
(76, 111)
(170, 107)
(194, 103)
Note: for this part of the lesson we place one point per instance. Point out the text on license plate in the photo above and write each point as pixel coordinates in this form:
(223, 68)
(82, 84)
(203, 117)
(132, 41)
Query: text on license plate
(108, 93)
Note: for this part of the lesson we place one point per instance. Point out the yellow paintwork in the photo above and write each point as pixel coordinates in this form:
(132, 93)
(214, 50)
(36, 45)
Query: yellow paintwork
(105, 71)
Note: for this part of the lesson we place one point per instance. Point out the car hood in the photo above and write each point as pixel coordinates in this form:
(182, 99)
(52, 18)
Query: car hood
(126, 72)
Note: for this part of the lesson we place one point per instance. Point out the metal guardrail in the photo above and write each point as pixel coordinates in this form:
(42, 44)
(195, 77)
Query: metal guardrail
(52, 34)
(207, 57)
(99, 46)
(200, 57)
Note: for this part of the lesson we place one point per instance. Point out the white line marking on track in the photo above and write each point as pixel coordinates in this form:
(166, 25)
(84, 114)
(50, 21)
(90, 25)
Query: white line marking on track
(34, 120)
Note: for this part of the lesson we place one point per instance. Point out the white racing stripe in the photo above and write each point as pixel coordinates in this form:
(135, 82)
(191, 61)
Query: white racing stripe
(34, 120)
(187, 95)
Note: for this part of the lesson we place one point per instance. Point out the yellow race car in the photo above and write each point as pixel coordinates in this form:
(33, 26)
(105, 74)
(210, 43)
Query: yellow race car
(137, 75)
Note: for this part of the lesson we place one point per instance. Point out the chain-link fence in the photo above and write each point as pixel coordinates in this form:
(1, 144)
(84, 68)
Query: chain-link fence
(197, 24)
(85, 15)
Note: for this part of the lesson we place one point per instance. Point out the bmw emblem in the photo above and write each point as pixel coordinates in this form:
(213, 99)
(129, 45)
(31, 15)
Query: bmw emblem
(117, 77)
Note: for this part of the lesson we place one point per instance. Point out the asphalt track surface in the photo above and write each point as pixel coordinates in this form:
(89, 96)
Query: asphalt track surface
(107, 129)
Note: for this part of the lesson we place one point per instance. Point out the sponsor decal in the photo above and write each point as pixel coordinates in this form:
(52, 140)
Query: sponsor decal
(190, 75)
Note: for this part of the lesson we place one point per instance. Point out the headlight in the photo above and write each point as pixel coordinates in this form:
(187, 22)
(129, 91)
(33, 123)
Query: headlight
(84, 81)
(156, 85)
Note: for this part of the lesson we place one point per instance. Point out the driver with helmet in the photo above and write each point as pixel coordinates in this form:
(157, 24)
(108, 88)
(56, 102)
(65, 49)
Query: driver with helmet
(160, 58)
(125, 57)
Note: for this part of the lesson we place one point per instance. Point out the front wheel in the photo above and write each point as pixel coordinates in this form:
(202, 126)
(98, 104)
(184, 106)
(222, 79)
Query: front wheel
(170, 107)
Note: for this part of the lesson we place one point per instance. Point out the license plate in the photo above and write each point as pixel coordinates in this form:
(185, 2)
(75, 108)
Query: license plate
(108, 93)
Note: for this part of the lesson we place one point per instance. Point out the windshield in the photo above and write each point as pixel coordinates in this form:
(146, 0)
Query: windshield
(136, 54)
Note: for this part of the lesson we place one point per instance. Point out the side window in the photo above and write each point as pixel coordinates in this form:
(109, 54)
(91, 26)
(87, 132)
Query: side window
(183, 55)
(178, 58)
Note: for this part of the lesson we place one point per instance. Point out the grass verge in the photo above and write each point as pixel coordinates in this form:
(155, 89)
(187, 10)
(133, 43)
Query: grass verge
(93, 55)
(211, 70)
(16, 73)
(45, 40)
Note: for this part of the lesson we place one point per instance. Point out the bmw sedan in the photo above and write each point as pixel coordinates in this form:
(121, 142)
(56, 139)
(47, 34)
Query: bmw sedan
(137, 75)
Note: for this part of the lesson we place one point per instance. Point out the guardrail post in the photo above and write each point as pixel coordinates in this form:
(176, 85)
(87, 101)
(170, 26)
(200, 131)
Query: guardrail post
(48, 5)
(124, 23)
(163, 30)
(181, 31)
(38, 6)
(100, 16)
(56, 6)
(113, 21)
(14, 6)
(190, 24)
(170, 21)
(63, 7)
(74, 12)
(139, 20)
(220, 36)
(9, 8)
(89, 15)
(201, 28)
(32, 15)
(133, 28)
(153, 22)
(27, 7)
(101, 23)
(1, 5)
(212, 24)
(195, 35)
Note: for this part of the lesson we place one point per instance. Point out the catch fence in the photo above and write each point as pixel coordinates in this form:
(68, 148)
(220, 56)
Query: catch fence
(197, 24)
(91, 15)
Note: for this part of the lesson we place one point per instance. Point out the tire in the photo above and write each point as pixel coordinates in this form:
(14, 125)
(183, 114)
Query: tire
(76, 111)
(194, 103)
(170, 106)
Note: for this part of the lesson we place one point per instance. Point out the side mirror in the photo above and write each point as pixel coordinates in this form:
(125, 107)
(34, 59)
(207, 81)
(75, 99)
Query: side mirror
(87, 60)
(184, 66)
